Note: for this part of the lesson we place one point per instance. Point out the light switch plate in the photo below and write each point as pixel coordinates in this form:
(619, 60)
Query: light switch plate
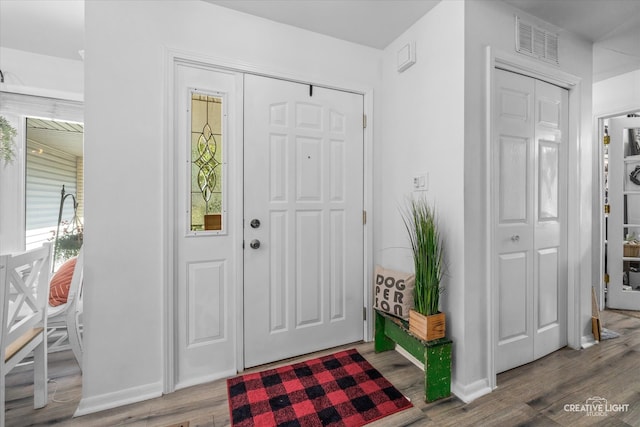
(421, 182)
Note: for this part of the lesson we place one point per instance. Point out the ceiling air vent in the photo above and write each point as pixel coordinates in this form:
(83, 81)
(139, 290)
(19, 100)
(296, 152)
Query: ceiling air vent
(536, 42)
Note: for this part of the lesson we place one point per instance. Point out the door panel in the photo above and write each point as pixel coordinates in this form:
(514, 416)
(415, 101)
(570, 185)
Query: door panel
(513, 297)
(547, 287)
(205, 307)
(513, 178)
(514, 164)
(550, 239)
(205, 260)
(305, 186)
(530, 204)
(548, 183)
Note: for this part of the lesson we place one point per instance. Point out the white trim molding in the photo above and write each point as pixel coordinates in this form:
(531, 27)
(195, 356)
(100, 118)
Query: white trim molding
(16, 105)
(470, 392)
(115, 399)
(44, 93)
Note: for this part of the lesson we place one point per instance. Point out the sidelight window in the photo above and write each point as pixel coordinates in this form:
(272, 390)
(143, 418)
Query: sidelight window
(207, 162)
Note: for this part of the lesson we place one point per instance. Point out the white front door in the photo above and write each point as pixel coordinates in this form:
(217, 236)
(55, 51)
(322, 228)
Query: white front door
(624, 216)
(303, 262)
(206, 222)
(530, 211)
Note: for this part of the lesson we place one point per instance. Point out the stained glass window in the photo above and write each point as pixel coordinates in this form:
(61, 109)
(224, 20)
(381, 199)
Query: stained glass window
(207, 195)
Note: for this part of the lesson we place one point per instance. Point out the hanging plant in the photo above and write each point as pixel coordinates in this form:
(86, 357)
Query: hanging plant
(68, 244)
(7, 135)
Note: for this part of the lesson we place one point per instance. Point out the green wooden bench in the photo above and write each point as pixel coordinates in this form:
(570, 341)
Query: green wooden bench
(435, 354)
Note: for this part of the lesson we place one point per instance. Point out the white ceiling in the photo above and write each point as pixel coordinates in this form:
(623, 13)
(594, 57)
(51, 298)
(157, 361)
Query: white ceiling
(56, 27)
(373, 23)
(47, 27)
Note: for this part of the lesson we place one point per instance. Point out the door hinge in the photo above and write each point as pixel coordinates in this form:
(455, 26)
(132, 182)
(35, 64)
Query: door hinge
(607, 209)
(606, 278)
(364, 121)
(243, 244)
(364, 313)
(364, 217)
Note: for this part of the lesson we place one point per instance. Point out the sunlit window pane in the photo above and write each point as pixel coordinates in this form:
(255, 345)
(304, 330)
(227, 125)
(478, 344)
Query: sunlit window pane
(206, 162)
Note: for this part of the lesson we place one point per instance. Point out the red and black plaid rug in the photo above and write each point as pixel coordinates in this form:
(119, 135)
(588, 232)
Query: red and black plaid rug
(341, 389)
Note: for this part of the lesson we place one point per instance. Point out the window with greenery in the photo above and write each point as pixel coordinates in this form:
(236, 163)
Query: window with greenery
(207, 165)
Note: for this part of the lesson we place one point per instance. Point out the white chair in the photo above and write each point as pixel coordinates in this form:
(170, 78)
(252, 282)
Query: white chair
(64, 328)
(24, 280)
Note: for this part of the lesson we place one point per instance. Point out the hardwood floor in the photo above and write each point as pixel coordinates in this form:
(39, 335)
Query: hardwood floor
(532, 395)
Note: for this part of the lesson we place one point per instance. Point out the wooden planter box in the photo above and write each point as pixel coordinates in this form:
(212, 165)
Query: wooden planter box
(427, 328)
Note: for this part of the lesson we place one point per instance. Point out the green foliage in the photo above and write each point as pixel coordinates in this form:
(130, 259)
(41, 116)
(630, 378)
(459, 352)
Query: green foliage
(68, 246)
(7, 134)
(420, 220)
(69, 242)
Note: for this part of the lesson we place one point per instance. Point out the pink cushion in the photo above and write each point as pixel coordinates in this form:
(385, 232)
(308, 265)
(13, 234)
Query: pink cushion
(59, 285)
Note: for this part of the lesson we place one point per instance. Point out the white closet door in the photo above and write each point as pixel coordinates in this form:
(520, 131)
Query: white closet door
(530, 188)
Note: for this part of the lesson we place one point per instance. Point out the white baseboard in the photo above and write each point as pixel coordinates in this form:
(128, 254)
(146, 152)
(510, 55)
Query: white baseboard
(105, 401)
(206, 379)
(470, 392)
(587, 341)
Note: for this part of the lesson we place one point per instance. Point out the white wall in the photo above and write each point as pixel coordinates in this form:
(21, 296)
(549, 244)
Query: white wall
(617, 95)
(423, 126)
(125, 70)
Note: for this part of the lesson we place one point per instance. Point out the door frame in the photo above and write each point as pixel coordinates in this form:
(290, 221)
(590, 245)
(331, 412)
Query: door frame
(598, 131)
(168, 249)
(599, 237)
(496, 59)
(22, 103)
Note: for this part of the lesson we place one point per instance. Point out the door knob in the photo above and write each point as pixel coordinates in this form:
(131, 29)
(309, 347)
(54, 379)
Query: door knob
(255, 223)
(515, 238)
(255, 244)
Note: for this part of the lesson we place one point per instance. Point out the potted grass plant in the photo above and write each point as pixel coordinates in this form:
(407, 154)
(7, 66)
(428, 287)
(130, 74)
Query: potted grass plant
(425, 319)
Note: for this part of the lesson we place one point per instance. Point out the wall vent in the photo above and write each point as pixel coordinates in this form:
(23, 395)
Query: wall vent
(536, 42)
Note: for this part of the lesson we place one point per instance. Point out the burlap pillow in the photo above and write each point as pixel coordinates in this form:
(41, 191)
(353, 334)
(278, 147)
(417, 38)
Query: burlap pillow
(393, 292)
